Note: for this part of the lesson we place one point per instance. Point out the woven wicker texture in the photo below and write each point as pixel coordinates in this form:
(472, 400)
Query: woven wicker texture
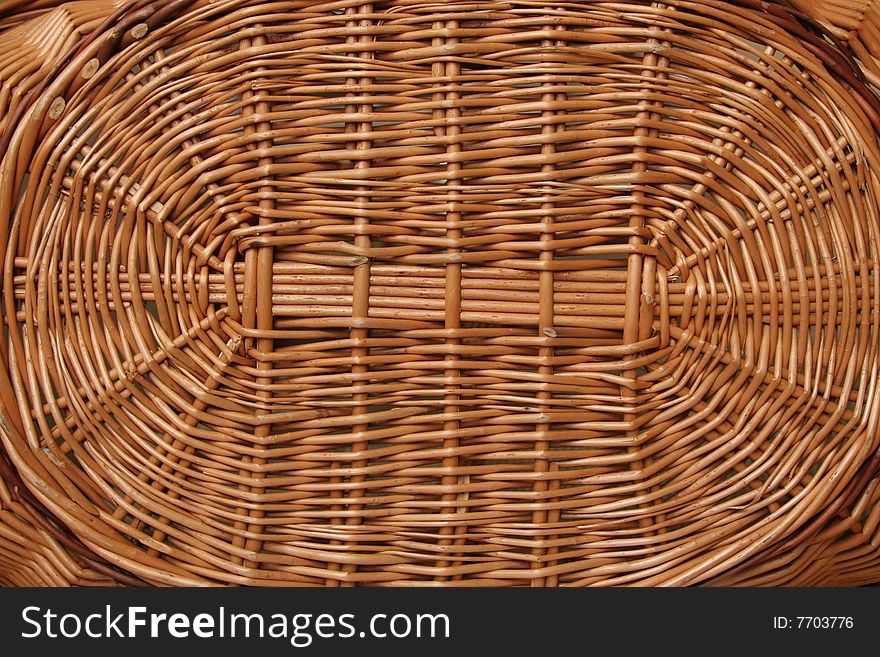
(855, 22)
(461, 293)
(34, 550)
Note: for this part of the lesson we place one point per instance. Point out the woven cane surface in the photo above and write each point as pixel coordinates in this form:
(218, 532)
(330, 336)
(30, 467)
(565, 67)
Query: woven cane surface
(459, 293)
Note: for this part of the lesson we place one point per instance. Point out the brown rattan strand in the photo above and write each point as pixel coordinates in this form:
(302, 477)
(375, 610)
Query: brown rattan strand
(460, 293)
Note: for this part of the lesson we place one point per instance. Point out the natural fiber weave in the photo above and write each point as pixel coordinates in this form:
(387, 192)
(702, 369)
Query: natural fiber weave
(855, 22)
(34, 550)
(460, 293)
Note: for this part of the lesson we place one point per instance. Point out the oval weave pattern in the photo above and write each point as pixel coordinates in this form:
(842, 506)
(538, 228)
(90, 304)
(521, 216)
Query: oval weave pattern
(461, 293)
(34, 550)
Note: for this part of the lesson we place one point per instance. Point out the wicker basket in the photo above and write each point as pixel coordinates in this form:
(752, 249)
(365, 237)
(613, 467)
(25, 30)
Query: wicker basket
(451, 293)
